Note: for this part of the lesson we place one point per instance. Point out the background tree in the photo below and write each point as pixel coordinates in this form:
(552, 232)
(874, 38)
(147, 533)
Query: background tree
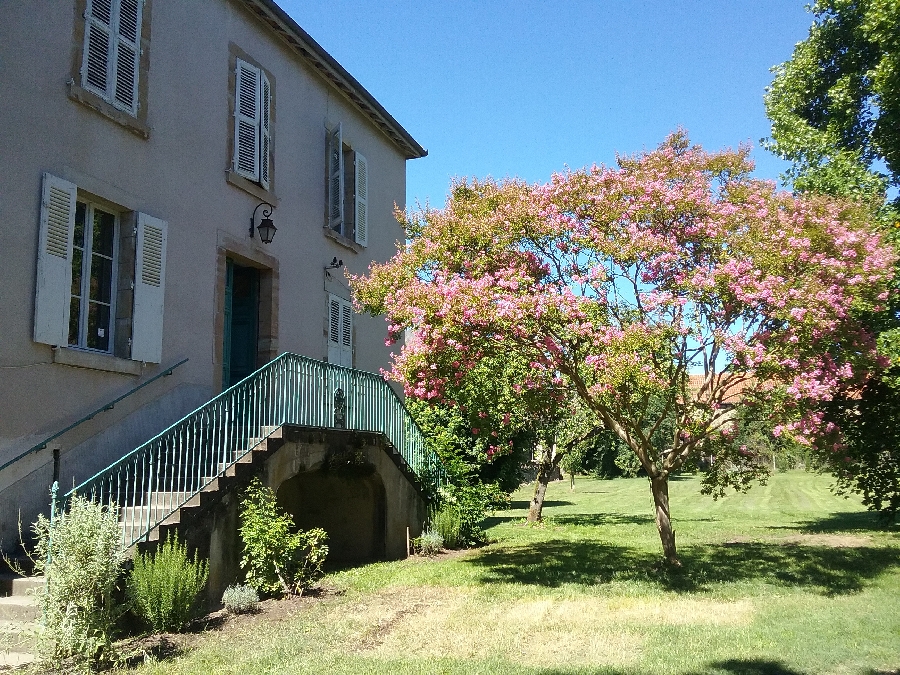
(835, 106)
(614, 282)
(835, 111)
(487, 428)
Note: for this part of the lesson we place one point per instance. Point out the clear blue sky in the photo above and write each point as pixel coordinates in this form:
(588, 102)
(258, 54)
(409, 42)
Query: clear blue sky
(525, 88)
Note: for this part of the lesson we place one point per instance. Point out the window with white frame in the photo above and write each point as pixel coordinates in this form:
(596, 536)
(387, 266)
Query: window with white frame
(340, 331)
(94, 258)
(111, 55)
(81, 280)
(348, 190)
(252, 123)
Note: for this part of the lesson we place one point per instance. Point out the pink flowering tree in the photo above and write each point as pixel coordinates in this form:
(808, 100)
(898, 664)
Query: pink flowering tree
(616, 283)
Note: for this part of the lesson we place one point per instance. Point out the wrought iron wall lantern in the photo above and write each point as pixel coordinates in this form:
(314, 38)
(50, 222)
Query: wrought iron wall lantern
(266, 227)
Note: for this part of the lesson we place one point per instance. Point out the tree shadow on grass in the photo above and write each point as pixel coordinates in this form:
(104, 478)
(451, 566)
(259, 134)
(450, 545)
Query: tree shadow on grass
(827, 570)
(736, 666)
(748, 667)
(521, 504)
(850, 521)
(595, 519)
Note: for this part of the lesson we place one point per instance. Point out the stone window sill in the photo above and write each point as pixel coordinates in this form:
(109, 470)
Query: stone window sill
(91, 100)
(342, 240)
(95, 361)
(258, 191)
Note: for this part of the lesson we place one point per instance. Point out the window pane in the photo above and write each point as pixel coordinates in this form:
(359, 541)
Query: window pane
(77, 256)
(101, 278)
(98, 327)
(104, 232)
(80, 209)
(74, 320)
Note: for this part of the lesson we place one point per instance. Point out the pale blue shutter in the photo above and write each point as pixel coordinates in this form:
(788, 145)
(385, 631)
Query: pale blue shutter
(53, 292)
(149, 289)
(336, 181)
(361, 232)
(246, 120)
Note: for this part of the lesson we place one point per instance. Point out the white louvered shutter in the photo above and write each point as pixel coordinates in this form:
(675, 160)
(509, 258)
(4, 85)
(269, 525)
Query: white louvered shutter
(149, 289)
(98, 39)
(336, 180)
(127, 56)
(361, 233)
(246, 121)
(53, 290)
(265, 134)
(334, 330)
(346, 334)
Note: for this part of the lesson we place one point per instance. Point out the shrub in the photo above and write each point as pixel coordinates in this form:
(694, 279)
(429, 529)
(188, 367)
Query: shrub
(80, 554)
(445, 523)
(462, 511)
(430, 543)
(164, 586)
(240, 599)
(276, 558)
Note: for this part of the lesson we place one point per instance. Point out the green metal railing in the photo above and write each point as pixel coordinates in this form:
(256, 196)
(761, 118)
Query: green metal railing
(152, 481)
(106, 406)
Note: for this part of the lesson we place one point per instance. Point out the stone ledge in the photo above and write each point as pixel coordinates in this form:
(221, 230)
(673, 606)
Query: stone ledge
(91, 100)
(342, 240)
(258, 191)
(95, 361)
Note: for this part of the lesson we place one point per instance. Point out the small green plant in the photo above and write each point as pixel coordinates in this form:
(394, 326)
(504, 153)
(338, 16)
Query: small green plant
(79, 552)
(240, 599)
(462, 510)
(445, 523)
(164, 586)
(430, 543)
(276, 558)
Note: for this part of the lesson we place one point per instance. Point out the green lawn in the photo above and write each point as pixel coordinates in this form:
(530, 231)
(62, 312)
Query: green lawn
(787, 579)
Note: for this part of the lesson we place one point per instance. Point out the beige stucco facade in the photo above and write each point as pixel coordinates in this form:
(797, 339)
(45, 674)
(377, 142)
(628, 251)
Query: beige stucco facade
(173, 160)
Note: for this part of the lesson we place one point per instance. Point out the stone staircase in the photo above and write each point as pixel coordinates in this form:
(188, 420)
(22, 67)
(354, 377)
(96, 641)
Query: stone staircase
(173, 510)
(228, 477)
(19, 613)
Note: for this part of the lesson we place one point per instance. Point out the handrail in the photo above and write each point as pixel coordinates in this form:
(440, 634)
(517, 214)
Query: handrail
(154, 480)
(109, 406)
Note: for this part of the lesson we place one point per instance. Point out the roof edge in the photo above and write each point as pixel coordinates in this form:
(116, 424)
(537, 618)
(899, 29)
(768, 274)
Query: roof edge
(325, 64)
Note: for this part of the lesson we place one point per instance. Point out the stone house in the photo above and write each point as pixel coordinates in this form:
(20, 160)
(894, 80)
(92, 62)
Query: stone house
(147, 146)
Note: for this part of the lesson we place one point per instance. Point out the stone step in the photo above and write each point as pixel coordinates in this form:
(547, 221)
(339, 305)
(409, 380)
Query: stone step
(16, 584)
(19, 608)
(18, 642)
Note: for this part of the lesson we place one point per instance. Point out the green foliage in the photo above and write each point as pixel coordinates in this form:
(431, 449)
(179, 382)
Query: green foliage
(445, 521)
(240, 599)
(868, 459)
(835, 106)
(429, 544)
(277, 558)
(469, 506)
(80, 554)
(835, 111)
(164, 586)
(448, 432)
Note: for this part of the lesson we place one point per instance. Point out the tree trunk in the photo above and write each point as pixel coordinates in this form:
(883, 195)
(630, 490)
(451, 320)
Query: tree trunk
(545, 470)
(660, 489)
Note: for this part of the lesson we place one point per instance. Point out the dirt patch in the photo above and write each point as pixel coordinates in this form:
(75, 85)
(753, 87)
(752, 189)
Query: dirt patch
(430, 622)
(825, 540)
(452, 554)
(828, 540)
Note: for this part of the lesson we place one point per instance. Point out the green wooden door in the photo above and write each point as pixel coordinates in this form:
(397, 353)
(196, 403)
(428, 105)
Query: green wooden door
(241, 323)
